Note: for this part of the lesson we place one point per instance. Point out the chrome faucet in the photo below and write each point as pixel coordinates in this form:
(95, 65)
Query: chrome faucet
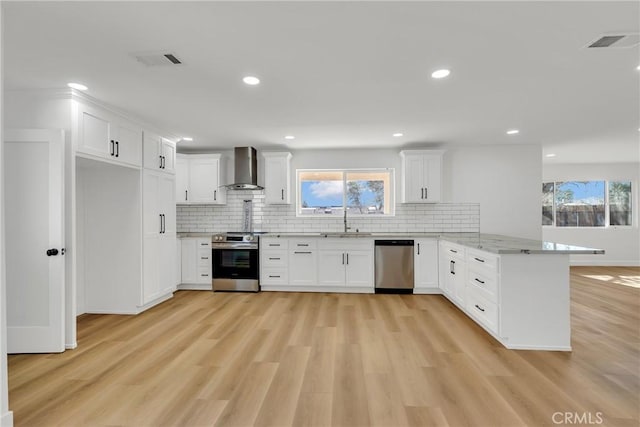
(345, 221)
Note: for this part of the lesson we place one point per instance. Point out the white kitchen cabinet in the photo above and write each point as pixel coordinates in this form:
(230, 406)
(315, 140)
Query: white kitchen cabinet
(303, 262)
(425, 262)
(199, 179)
(159, 225)
(158, 153)
(106, 136)
(453, 272)
(277, 178)
(345, 263)
(196, 263)
(421, 176)
(274, 262)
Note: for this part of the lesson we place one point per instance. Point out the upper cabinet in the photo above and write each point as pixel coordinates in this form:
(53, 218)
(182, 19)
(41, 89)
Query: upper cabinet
(199, 179)
(109, 137)
(277, 178)
(159, 153)
(421, 176)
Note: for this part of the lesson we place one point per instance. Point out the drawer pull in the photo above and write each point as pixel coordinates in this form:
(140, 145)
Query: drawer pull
(204, 257)
(204, 244)
(204, 275)
(480, 308)
(302, 252)
(479, 281)
(274, 244)
(455, 252)
(478, 259)
(275, 277)
(303, 244)
(274, 258)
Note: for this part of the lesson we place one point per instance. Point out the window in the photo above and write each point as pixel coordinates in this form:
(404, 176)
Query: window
(327, 192)
(586, 203)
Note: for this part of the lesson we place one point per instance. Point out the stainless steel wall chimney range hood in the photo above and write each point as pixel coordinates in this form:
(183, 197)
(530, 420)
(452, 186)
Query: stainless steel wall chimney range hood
(245, 169)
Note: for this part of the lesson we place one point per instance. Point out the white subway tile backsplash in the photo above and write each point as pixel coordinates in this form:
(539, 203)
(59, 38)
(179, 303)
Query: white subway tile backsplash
(449, 217)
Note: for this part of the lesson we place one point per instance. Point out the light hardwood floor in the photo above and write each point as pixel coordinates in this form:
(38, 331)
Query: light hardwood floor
(282, 359)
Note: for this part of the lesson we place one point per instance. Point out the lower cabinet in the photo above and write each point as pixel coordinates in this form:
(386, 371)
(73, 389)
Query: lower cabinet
(425, 264)
(303, 262)
(345, 263)
(195, 263)
(453, 272)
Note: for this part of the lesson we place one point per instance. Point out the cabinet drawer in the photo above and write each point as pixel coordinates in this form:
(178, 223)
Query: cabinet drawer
(487, 284)
(302, 244)
(204, 258)
(271, 243)
(204, 274)
(272, 258)
(452, 250)
(485, 311)
(350, 244)
(273, 276)
(482, 259)
(203, 243)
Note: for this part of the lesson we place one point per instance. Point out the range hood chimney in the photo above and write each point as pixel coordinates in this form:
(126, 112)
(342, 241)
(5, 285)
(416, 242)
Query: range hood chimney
(245, 170)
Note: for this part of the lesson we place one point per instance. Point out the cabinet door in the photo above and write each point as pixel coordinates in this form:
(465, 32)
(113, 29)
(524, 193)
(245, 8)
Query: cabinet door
(331, 265)
(302, 268)
(182, 180)
(166, 267)
(151, 151)
(276, 179)
(413, 176)
(166, 202)
(168, 156)
(128, 143)
(189, 266)
(359, 268)
(94, 133)
(152, 221)
(432, 178)
(425, 261)
(203, 180)
(150, 270)
(458, 281)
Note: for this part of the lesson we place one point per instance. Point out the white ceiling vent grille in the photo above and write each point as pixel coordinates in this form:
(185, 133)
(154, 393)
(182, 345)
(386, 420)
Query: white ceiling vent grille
(156, 59)
(615, 40)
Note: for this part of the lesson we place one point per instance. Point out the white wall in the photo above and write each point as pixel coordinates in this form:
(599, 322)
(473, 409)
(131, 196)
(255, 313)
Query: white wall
(621, 244)
(504, 179)
(6, 416)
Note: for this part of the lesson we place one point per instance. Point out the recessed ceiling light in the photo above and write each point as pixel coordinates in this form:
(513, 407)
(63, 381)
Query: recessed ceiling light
(550, 155)
(439, 74)
(513, 132)
(289, 137)
(77, 86)
(187, 138)
(398, 134)
(251, 80)
(638, 68)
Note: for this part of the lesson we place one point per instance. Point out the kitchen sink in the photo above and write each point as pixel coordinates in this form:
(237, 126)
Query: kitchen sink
(347, 234)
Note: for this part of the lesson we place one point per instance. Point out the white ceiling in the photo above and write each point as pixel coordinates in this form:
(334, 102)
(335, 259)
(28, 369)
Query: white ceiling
(347, 74)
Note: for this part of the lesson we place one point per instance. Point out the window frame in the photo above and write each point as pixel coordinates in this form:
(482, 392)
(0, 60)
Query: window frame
(607, 223)
(345, 172)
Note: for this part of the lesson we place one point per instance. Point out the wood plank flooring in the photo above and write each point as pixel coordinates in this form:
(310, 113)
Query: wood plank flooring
(296, 359)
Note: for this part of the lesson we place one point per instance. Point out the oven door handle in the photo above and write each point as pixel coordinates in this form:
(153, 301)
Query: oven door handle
(215, 246)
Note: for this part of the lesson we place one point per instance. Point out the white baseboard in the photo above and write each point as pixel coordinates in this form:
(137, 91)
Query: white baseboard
(427, 291)
(7, 419)
(195, 287)
(537, 347)
(332, 289)
(604, 263)
(70, 346)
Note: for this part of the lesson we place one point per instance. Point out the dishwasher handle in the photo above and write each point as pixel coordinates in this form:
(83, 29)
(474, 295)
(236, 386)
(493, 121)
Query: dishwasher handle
(393, 243)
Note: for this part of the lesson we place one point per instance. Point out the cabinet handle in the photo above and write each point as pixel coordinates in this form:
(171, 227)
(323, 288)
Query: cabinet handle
(160, 223)
(302, 252)
(204, 257)
(426, 193)
(347, 259)
(112, 147)
(117, 148)
(418, 248)
(185, 195)
(274, 244)
(479, 281)
(204, 244)
(452, 267)
(479, 308)
(422, 193)
(451, 250)
(275, 277)
(164, 223)
(275, 259)
(204, 275)
(478, 259)
(303, 244)
(282, 194)
(215, 195)
(160, 161)
(342, 259)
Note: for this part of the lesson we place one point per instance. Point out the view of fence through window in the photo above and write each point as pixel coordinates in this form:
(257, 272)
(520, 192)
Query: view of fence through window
(327, 192)
(585, 203)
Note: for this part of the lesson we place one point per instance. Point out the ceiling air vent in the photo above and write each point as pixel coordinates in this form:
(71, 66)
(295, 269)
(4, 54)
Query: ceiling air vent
(616, 40)
(156, 59)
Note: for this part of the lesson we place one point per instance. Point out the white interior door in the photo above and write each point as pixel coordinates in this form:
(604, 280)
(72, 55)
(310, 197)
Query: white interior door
(34, 224)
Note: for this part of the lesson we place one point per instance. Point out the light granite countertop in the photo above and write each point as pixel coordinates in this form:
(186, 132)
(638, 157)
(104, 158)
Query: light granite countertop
(493, 243)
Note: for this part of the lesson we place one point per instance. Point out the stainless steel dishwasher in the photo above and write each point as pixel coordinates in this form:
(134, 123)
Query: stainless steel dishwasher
(394, 266)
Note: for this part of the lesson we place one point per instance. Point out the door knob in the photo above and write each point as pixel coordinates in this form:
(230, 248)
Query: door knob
(52, 252)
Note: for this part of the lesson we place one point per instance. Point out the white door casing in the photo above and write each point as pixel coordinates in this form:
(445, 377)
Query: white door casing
(34, 223)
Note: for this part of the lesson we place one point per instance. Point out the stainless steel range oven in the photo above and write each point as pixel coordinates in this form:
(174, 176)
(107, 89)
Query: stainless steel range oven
(235, 262)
